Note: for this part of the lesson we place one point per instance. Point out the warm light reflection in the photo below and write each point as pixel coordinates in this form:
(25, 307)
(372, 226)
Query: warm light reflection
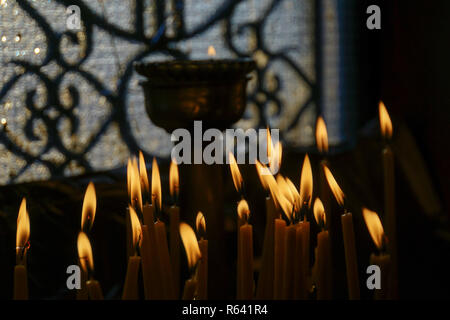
(235, 173)
(375, 227)
(263, 172)
(319, 212)
(23, 227)
(243, 210)
(385, 121)
(143, 176)
(211, 51)
(174, 180)
(200, 223)
(275, 159)
(321, 135)
(135, 226)
(156, 186)
(85, 252)
(337, 191)
(89, 208)
(282, 201)
(306, 182)
(190, 244)
(295, 193)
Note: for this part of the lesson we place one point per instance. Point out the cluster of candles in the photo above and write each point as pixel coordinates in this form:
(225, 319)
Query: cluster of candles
(285, 271)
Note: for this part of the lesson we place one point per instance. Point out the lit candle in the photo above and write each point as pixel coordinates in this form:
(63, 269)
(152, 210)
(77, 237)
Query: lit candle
(246, 251)
(87, 220)
(163, 257)
(87, 264)
(349, 238)
(193, 255)
(323, 255)
(135, 196)
(130, 288)
(280, 229)
(381, 259)
(150, 268)
(22, 246)
(322, 146)
(174, 215)
(238, 184)
(147, 211)
(265, 288)
(202, 274)
(389, 196)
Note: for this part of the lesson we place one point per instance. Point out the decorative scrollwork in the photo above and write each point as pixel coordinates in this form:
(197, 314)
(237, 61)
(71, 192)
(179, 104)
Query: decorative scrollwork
(66, 107)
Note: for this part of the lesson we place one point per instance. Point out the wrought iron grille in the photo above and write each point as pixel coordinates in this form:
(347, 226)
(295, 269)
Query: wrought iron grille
(70, 101)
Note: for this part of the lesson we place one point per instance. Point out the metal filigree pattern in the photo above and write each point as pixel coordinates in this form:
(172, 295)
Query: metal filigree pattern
(70, 101)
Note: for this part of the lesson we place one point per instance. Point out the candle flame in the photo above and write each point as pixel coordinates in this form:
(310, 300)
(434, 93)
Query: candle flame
(200, 223)
(263, 173)
(174, 180)
(85, 252)
(156, 186)
(89, 208)
(274, 153)
(129, 174)
(135, 226)
(385, 121)
(135, 185)
(143, 175)
(243, 210)
(211, 51)
(321, 135)
(285, 188)
(319, 211)
(306, 183)
(23, 226)
(235, 173)
(295, 193)
(337, 191)
(282, 195)
(374, 225)
(190, 244)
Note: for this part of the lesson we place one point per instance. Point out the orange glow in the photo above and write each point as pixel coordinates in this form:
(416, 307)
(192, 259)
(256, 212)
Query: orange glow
(321, 135)
(135, 189)
(385, 121)
(129, 174)
(85, 252)
(200, 223)
(135, 226)
(263, 173)
(23, 227)
(190, 244)
(156, 186)
(269, 144)
(282, 196)
(295, 194)
(284, 188)
(319, 211)
(374, 225)
(337, 191)
(89, 208)
(243, 210)
(275, 159)
(235, 173)
(174, 181)
(306, 182)
(143, 175)
(211, 51)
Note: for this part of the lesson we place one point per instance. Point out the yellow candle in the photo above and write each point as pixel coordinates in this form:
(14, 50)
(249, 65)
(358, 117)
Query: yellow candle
(20, 271)
(384, 262)
(301, 282)
(148, 215)
(152, 284)
(94, 289)
(350, 256)
(130, 288)
(279, 241)
(189, 289)
(82, 294)
(246, 239)
(20, 283)
(202, 293)
(174, 213)
(323, 260)
(164, 259)
(265, 281)
(289, 260)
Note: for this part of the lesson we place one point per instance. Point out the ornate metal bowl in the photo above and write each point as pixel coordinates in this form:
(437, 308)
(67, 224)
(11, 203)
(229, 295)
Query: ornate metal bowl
(179, 92)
